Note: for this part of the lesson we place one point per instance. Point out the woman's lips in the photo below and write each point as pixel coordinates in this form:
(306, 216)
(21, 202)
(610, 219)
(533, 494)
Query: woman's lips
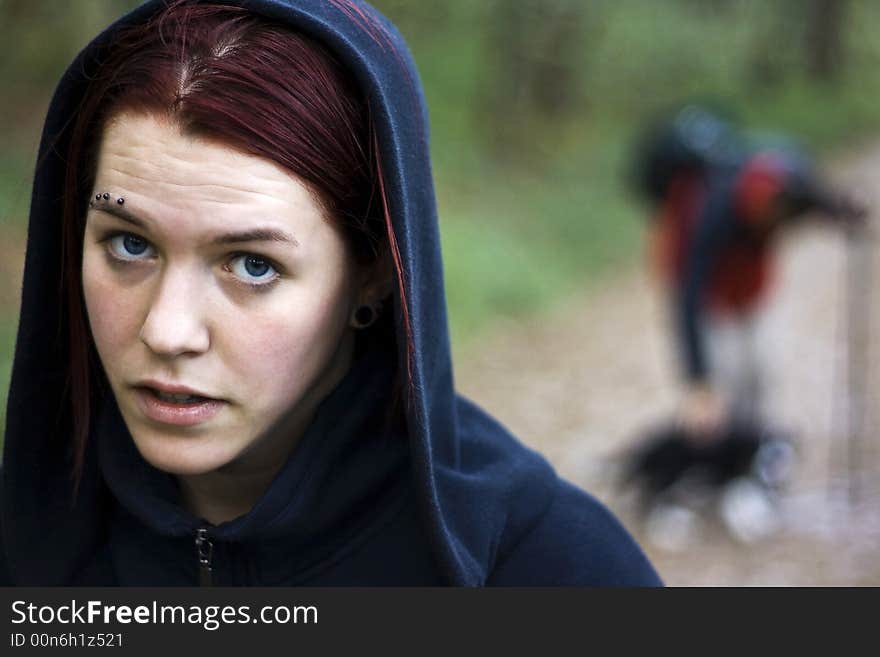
(182, 415)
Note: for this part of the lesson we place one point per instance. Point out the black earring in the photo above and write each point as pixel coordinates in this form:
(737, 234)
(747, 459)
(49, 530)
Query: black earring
(364, 316)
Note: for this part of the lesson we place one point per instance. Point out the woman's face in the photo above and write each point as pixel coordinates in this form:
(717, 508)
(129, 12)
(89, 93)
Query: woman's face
(217, 277)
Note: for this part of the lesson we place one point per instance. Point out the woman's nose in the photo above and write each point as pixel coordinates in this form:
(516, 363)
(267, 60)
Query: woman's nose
(175, 324)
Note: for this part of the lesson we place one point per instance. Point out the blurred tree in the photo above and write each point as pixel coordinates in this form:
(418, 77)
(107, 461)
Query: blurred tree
(794, 37)
(774, 42)
(824, 39)
(555, 82)
(531, 78)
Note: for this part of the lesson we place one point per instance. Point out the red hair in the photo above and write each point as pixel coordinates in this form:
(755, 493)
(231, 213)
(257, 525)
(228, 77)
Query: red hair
(223, 73)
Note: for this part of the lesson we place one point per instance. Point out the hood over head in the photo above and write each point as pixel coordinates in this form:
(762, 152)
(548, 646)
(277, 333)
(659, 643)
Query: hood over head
(468, 472)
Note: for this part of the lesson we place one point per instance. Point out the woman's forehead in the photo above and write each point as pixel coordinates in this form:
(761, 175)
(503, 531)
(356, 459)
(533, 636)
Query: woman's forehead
(163, 173)
(153, 157)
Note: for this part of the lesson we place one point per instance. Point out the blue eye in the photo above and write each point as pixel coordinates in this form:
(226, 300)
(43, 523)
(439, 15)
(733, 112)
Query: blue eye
(252, 269)
(129, 247)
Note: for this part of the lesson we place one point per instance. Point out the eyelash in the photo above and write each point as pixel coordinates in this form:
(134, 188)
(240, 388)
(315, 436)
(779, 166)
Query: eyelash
(107, 241)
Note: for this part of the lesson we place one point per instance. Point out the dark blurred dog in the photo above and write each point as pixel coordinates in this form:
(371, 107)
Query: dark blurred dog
(668, 459)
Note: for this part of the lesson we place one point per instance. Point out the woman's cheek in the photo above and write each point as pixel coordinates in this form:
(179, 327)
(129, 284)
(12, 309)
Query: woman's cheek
(281, 349)
(291, 347)
(108, 310)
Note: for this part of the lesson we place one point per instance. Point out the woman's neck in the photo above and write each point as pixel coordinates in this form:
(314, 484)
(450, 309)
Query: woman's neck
(221, 496)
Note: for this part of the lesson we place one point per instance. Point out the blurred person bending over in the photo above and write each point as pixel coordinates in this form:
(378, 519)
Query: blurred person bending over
(719, 197)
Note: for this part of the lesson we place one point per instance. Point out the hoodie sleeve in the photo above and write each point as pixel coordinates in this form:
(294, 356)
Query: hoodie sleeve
(576, 542)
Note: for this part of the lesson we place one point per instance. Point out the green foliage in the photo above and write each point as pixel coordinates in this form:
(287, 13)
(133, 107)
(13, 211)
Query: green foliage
(532, 198)
(525, 225)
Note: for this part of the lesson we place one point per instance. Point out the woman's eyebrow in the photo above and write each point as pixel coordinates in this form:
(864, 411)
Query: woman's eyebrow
(256, 235)
(253, 235)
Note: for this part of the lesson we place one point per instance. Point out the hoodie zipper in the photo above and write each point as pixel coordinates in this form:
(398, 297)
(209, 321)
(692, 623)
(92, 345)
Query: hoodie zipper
(205, 553)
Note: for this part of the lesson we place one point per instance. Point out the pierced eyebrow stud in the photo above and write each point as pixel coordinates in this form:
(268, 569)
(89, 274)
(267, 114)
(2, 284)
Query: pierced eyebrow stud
(106, 196)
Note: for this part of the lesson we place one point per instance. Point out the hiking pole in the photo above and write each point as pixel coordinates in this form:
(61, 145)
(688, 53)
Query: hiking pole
(858, 290)
(852, 218)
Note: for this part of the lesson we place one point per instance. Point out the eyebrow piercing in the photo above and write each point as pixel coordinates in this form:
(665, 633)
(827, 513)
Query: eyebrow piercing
(106, 197)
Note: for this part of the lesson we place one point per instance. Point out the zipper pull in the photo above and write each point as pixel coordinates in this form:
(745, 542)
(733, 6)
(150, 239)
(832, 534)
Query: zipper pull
(204, 551)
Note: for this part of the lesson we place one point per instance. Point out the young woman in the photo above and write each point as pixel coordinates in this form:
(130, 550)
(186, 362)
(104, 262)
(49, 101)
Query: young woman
(232, 364)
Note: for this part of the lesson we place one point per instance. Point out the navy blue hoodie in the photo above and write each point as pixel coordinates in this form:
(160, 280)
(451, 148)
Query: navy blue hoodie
(447, 498)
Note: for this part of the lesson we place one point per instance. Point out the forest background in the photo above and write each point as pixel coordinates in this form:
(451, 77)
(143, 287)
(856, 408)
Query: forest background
(534, 106)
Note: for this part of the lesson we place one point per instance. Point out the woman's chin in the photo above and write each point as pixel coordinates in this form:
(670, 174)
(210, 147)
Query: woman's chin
(184, 456)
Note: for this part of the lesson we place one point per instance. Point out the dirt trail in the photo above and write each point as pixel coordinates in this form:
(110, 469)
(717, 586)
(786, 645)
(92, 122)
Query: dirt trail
(580, 384)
